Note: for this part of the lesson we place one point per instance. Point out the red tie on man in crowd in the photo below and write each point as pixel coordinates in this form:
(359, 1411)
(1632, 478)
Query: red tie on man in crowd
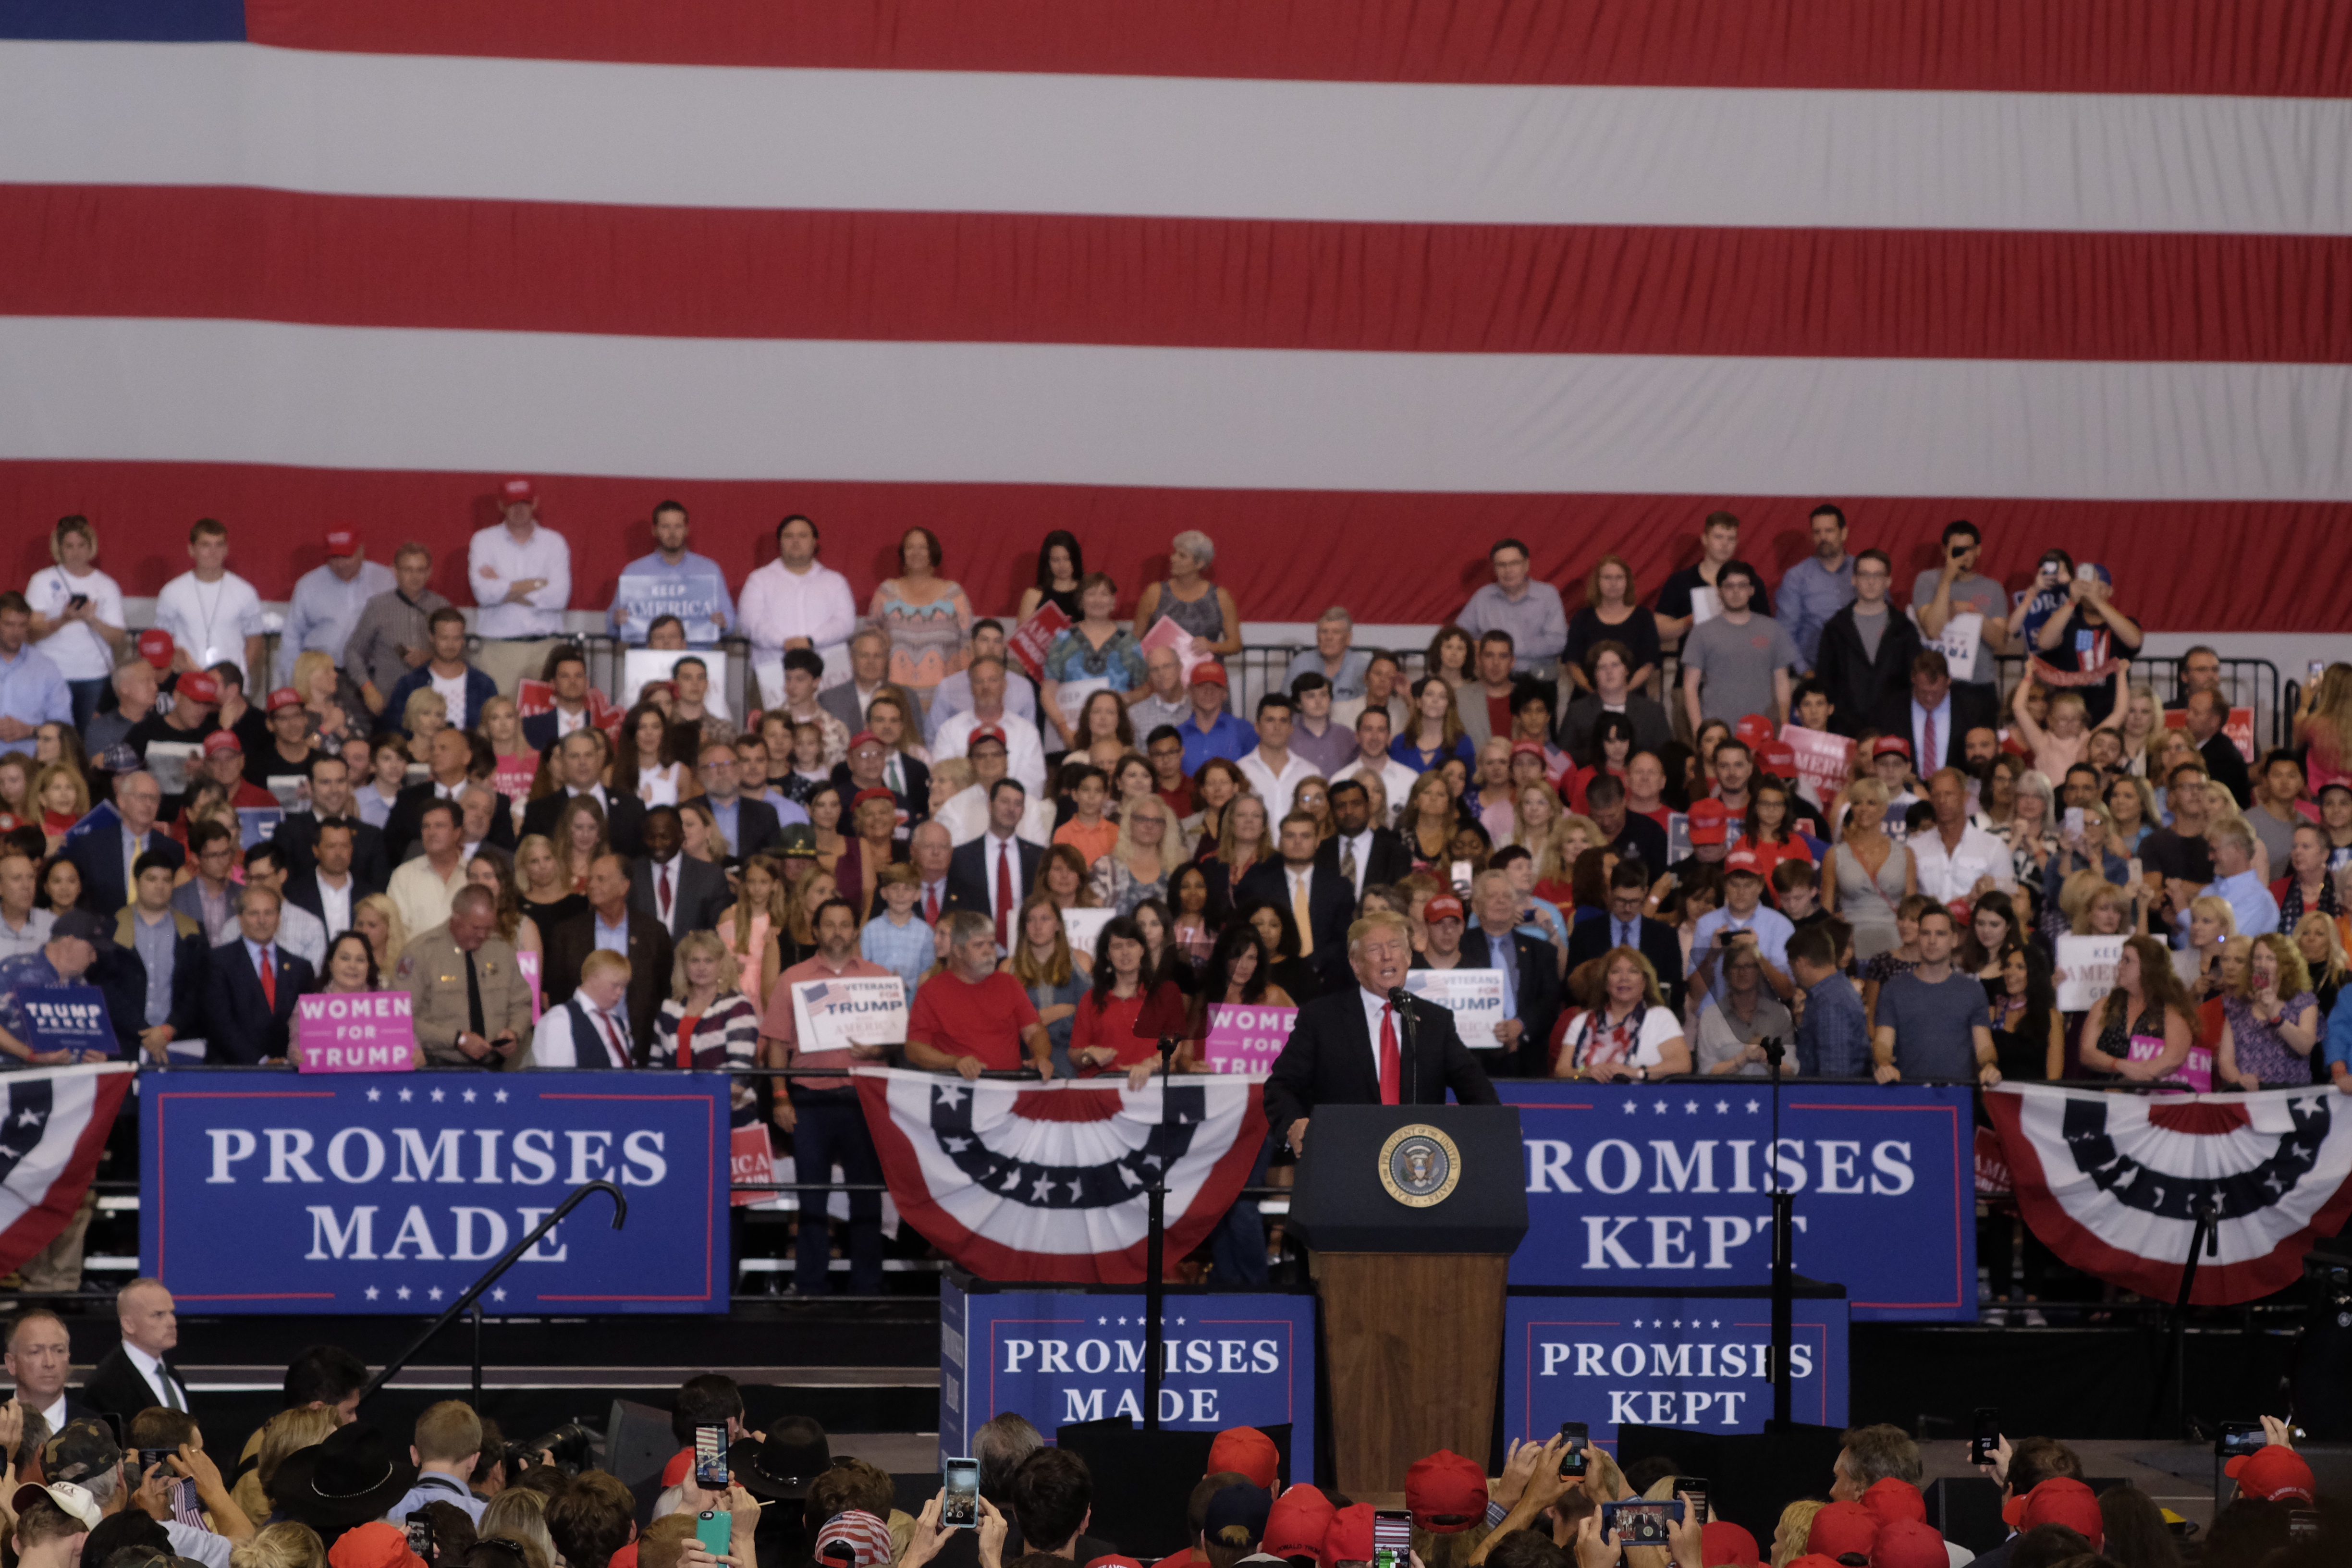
(1005, 897)
(611, 1037)
(931, 905)
(268, 980)
(1927, 741)
(1391, 1079)
(663, 885)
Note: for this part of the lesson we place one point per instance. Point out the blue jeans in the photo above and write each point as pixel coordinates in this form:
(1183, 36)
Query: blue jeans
(1237, 1246)
(85, 694)
(825, 1136)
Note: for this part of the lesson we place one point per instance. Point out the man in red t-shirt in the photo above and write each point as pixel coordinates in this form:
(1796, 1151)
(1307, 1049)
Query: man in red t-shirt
(973, 1016)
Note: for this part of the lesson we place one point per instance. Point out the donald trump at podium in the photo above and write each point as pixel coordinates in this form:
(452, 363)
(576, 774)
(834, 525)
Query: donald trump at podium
(1371, 1044)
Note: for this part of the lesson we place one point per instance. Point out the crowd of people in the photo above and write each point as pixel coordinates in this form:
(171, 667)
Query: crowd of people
(114, 1473)
(206, 825)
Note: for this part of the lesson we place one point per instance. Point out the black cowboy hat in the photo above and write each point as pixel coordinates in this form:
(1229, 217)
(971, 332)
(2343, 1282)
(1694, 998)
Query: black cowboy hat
(794, 1454)
(352, 1477)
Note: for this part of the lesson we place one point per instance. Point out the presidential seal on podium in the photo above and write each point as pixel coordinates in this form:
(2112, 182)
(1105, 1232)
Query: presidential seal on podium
(1420, 1166)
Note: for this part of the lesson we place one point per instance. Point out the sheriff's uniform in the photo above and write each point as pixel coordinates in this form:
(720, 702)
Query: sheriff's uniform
(433, 968)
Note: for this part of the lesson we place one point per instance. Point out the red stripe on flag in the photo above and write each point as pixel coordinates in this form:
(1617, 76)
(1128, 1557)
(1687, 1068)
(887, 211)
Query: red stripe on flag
(197, 252)
(47, 1220)
(1358, 540)
(2267, 48)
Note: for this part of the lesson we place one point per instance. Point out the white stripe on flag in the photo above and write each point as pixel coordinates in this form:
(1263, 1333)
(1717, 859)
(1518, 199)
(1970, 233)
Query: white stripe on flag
(984, 141)
(72, 1093)
(220, 391)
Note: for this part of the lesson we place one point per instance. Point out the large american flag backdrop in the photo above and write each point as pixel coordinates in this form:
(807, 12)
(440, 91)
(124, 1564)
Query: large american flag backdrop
(1353, 285)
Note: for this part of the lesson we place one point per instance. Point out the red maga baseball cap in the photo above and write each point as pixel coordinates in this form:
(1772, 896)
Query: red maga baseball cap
(2061, 1500)
(343, 539)
(1909, 1543)
(1778, 758)
(1707, 820)
(1527, 748)
(155, 647)
(1210, 672)
(1840, 1527)
(1246, 1451)
(515, 490)
(1753, 729)
(985, 732)
(1446, 1492)
(865, 738)
(876, 792)
(1892, 1498)
(1300, 1520)
(1891, 746)
(221, 741)
(1445, 906)
(1744, 860)
(199, 686)
(1724, 1544)
(285, 697)
(2270, 1472)
(1350, 1539)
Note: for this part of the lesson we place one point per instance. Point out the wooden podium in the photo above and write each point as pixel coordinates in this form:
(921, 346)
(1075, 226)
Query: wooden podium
(1412, 1212)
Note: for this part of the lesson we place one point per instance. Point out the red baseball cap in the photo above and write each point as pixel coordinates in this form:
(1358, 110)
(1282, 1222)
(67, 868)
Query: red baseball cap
(1840, 1527)
(1300, 1518)
(221, 741)
(1527, 748)
(1707, 819)
(199, 686)
(155, 647)
(985, 732)
(1744, 860)
(285, 697)
(1753, 729)
(1724, 1544)
(1446, 1492)
(2061, 1500)
(866, 737)
(343, 539)
(1910, 1543)
(1211, 671)
(1892, 1498)
(373, 1545)
(1778, 758)
(514, 490)
(876, 792)
(2270, 1472)
(1247, 1451)
(1445, 906)
(1891, 746)
(1350, 1539)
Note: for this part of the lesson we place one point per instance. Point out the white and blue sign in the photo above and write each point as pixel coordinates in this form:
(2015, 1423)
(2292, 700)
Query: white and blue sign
(1666, 1188)
(644, 597)
(1058, 1357)
(66, 1018)
(391, 1193)
(1700, 1362)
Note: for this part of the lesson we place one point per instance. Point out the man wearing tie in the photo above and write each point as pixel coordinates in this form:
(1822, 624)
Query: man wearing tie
(1626, 923)
(106, 855)
(1347, 1048)
(990, 875)
(592, 1030)
(252, 986)
(1318, 901)
(135, 1375)
(1363, 853)
(468, 1001)
(931, 850)
(1934, 716)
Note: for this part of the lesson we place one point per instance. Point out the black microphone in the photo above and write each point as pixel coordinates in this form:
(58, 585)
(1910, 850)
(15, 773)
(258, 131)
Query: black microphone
(1401, 1000)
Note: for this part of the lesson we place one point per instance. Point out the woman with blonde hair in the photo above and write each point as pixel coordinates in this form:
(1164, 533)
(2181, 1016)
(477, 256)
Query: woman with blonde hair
(1867, 875)
(285, 1433)
(2321, 942)
(1569, 838)
(1630, 1032)
(425, 715)
(1429, 820)
(699, 835)
(707, 1023)
(808, 886)
(2131, 811)
(757, 913)
(2323, 723)
(2212, 924)
(1054, 976)
(61, 796)
(335, 715)
(519, 1514)
(289, 1543)
(579, 838)
(1136, 870)
(2096, 907)
(1794, 1533)
(1242, 842)
(377, 917)
(2269, 1020)
(545, 896)
(2138, 729)
(83, 639)
(1536, 811)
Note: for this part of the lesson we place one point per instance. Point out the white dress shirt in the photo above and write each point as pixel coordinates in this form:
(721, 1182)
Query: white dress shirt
(551, 1045)
(1946, 876)
(1024, 752)
(335, 905)
(153, 1371)
(1395, 778)
(779, 602)
(965, 816)
(496, 558)
(299, 933)
(1921, 763)
(1362, 844)
(1275, 788)
(1373, 1004)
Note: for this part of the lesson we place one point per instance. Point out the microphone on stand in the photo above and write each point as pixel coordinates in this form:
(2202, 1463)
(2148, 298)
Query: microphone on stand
(1401, 1000)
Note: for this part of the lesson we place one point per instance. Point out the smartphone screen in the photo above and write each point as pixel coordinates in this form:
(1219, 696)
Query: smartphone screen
(2303, 1524)
(2240, 1437)
(1640, 1523)
(420, 1533)
(1576, 1435)
(1392, 1538)
(962, 1509)
(2073, 822)
(710, 1457)
(1694, 1487)
(1984, 1436)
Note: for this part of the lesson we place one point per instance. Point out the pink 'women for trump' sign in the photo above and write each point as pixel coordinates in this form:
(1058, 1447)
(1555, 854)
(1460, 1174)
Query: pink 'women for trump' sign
(1246, 1038)
(354, 1031)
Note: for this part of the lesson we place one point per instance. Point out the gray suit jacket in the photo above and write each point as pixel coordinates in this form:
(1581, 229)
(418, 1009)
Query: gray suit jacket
(842, 702)
(700, 895)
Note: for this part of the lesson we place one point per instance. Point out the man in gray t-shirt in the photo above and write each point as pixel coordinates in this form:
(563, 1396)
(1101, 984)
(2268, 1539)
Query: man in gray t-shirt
(1933, 1022)
(1737, 663)
(1958, 588)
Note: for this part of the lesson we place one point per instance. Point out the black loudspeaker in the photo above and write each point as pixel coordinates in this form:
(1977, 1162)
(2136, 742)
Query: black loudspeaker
(637, 1441)
(2321, 1381)
(1143, 1480)
(1750, 1477)
(1967, 1510)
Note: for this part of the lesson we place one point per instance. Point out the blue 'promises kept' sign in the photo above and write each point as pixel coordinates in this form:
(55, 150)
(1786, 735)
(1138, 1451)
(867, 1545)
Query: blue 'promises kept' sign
(1664, 1188)
(391, 1193)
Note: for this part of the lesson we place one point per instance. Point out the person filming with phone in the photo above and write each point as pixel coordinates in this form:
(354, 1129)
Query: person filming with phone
(1372, 1044)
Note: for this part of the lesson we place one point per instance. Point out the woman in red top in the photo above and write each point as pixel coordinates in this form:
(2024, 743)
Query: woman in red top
(1103, 1034)
(1767, 834)
(1613, 741)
